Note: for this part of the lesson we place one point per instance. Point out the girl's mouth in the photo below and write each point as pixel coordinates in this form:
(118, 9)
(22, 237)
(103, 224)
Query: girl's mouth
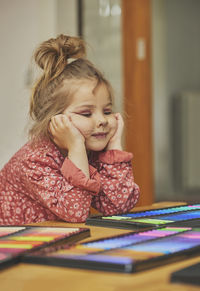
(100, 135)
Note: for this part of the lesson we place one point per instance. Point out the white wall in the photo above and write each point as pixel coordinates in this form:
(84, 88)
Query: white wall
(160, 100)
(67, 22)
(23, 25)
(176, 68)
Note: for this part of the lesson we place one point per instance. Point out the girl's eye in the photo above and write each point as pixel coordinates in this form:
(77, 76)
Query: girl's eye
(86, 114)
(107, 112)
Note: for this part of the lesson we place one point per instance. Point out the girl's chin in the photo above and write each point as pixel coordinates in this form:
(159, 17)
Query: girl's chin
(96, 148)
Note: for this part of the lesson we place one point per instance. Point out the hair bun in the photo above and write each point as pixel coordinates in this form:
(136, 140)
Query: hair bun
(71, 47)
(52, 55)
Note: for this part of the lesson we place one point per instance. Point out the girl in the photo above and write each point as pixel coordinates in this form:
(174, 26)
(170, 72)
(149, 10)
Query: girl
(74, 159)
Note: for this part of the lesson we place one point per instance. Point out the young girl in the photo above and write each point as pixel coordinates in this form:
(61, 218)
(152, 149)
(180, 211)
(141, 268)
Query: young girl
(74, 159)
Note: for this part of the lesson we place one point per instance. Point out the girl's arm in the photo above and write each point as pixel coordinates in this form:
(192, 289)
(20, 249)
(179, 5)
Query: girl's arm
(116, 140)
(66, 190)
(118, 193)
(68, 137)
(63, 189)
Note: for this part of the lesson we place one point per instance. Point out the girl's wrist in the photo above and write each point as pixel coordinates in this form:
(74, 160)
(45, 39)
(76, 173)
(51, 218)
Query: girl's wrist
(78, 148)
(114, 146)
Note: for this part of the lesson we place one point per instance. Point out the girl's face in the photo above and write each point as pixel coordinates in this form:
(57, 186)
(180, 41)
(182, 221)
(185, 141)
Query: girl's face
(91, 112)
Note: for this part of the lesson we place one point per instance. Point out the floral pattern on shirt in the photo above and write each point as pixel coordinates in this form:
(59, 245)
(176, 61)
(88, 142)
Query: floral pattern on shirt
(39, 184)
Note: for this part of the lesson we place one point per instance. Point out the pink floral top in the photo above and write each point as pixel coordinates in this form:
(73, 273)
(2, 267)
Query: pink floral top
(39, 184)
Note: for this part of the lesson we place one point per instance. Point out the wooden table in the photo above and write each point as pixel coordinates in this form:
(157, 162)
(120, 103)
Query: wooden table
(27, 277)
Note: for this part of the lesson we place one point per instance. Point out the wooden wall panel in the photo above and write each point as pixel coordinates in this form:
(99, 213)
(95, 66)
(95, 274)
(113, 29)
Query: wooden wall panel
(136, 30)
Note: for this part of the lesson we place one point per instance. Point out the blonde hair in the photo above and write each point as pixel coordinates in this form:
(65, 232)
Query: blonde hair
(48, 97)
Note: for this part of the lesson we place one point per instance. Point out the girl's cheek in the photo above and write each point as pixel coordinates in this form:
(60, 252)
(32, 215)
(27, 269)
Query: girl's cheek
(113, 122)
(83, 125)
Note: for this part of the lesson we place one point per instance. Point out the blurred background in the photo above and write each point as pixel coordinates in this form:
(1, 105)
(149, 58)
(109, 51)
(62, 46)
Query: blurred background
(150, 52)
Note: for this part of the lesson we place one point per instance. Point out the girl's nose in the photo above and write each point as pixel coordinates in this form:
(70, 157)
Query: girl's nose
(102, 121)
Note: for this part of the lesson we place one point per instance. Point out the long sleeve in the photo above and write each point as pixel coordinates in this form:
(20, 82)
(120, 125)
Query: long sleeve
(65, 191)
(118, 192)
(39, 184)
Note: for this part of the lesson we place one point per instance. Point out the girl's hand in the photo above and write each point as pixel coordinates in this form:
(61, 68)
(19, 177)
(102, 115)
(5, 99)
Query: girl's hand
(64, 133)
(116, 140)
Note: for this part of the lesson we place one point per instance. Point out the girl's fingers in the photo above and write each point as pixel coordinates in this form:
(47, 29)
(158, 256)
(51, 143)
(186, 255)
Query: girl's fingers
(52, 128)
(58, 121)
(117, 116)
(67, 123)
(119, 120)
(59, 124)
(71, 125)
(54, 122)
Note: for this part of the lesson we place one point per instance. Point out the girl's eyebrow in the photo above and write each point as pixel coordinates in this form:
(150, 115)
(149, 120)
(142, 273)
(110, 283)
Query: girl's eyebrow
(85, 105)
(92, 106)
